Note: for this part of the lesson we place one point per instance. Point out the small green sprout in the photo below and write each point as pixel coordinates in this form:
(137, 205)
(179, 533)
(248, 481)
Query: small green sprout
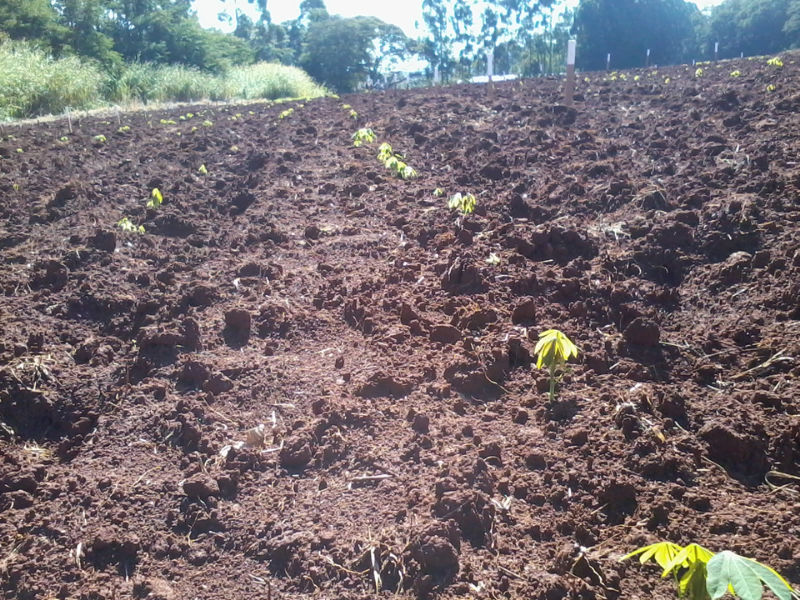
(20, 150)
(193, 129)
(666, 80)
(702, 575)
(353, 114)
(775, 62)
(64, 139)
(100, 139)
(127, 225)
(407, 172)
(438, 192)
(16, 187)
(346, 106)
(168, 122)
(464, 204)
(363, 136)
(636, 78)
(287, 113)
(189, 115)
(234, 149)
(207, 123)
(493, 259)
(736, 73)
(698, 72)
(554, 350)
(385, 152)
(124, 129)
(771, 88)
(156, 199)
(202, 170)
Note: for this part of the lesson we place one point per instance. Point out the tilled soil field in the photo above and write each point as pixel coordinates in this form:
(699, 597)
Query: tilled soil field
(310, 378)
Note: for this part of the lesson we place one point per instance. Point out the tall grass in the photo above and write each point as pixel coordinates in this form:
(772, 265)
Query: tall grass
(32, 83)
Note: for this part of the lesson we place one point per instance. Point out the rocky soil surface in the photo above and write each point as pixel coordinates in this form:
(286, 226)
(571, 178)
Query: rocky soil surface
(308, 377)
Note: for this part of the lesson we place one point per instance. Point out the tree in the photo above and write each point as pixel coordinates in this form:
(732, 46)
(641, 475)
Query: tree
(343, 53)
(628, 28)
(30, 20)
(754, 27)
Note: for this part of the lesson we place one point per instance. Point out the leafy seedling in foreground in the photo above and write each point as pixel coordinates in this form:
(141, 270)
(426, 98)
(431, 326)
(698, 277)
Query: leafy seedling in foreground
(127, 225)
(554, 350)
(202, 170)
(156, 199)
(100, 139)
(465, 204)
(363, 136)
(702, 575)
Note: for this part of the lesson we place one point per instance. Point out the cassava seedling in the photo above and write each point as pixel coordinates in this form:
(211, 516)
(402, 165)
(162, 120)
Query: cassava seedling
(363, 136)
(554, 350)
(202, 170)
(156, 199)
(702, 575)
(127, 225)
(465, 204)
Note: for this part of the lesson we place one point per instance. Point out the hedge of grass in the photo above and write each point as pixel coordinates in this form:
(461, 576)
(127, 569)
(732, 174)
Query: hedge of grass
(34, 84)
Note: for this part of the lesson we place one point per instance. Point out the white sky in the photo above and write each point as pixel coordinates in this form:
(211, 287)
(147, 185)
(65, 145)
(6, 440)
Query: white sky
(398, 13)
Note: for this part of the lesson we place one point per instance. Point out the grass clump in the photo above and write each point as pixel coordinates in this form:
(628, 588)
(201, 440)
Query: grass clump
(32, 83)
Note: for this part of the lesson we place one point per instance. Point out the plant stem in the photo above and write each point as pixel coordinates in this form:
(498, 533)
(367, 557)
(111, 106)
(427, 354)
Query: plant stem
(552, 384)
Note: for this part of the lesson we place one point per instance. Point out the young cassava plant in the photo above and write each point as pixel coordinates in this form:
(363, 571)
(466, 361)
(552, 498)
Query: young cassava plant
(702, 575)
(127, 225)
(554, 350)
(156, 199)
(363, 136)
(465, 204)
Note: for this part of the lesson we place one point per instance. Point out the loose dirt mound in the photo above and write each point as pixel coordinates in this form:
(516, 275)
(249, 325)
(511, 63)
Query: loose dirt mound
(305, 377)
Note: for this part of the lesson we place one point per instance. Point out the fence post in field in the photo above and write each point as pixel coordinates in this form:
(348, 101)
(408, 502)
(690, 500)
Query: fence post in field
(569, 87)
(490, 72)
(608, 61)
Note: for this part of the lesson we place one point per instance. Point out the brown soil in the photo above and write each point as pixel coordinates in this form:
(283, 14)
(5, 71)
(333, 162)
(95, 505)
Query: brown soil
(349, 327)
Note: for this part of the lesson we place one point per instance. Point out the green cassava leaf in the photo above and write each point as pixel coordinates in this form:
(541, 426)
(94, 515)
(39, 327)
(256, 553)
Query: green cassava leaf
(662, 552)
(692, 583)
(685, 558)
(744, 576)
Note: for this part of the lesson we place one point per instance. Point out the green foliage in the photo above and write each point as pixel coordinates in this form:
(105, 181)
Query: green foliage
(286, 113)
(156, 199)
(127, 225)
(438, 192)
(100, 139)
(343, 53)
(385, 152)
(124, 129)
(465, 204)
(628, 28)
(363, 136)
(702, 575)
(775, 62)
(554, 349)
(202, 170)
(754, 27)
(32, 83)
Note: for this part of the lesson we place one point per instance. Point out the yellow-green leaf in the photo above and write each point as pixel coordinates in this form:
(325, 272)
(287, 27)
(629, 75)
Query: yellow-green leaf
(662, 553)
